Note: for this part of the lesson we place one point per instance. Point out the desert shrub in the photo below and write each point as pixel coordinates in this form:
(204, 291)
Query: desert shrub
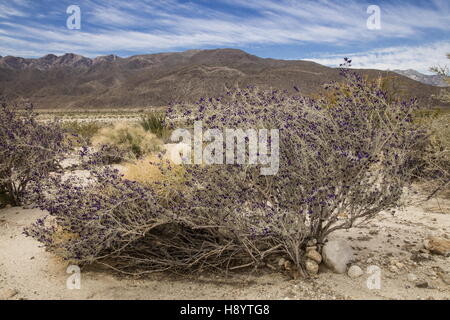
(155, 123)
(436, 158)
(352, 158)
(120, 223)
(84, 131)
(105, 154)
(29, 151)
(435, 153)
(161, 175)
(128, 138)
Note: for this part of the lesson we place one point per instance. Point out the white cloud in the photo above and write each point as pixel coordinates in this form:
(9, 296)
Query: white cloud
(148, 26)
(420, 58)
(7, 11)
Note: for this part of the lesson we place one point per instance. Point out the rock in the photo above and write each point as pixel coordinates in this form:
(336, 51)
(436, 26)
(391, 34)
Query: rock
(8, 206)
(412, 277)
(287, 265)
(422, 284)
(336, 255)
(311, 242)
(314, 255)
(419, 257)
(445, 277)
(281, 262)
(437, 245)
(311, 248)
(393, 269)
(400, 265)
(7, 293)
(355, 272)
(312, 267)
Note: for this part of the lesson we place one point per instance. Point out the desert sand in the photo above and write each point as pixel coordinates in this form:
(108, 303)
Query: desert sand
(394, 243)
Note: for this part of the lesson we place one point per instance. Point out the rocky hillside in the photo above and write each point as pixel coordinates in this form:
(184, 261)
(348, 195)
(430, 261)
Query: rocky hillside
(73, 81)
(433, 80)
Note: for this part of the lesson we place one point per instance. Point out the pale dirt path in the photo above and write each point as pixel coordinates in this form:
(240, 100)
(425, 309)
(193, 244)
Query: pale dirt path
(36, 274)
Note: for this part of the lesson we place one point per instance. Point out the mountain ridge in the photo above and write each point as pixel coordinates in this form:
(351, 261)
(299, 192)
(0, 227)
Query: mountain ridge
(433, 80)
(73, 81)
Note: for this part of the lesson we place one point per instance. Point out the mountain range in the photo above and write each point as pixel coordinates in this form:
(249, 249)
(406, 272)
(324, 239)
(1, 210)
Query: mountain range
(72, 81)
(433, 80)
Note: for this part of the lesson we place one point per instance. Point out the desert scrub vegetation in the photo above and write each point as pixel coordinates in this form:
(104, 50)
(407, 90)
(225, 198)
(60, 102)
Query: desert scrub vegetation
(434, 155)
(128, 138)
(155, 123)
(29, 151)
(163, 176)
(339, 165)
(82, 132)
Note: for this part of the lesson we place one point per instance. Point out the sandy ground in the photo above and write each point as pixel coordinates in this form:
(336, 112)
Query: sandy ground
(390, 242)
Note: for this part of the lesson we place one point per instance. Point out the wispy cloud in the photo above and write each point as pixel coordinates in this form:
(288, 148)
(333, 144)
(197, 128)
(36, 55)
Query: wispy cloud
(145, 26)
(420, 58)
(8, 10)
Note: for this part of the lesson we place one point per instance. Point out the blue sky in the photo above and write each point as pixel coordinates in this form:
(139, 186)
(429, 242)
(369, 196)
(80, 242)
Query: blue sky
(414, 34)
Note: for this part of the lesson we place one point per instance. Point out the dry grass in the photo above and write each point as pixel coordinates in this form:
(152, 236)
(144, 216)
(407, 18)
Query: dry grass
(162, 175)
(129, 138)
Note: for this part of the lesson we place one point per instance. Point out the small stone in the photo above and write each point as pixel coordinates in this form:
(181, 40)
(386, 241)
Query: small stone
(437, 245)
(355, 272)
(445, 277)
(7, 293)
(422, 284)
(311, 242)
(393, 269)
(281, 262)
(412, 277)
(287, 265)
(311, 248)
(314, 255)
(312, 267)
(399, 265)
(8, 206)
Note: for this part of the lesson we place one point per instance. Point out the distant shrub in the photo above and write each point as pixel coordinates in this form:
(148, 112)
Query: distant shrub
(155, 123)
(435, 153)
(29, 151)
(128, 138)
(82, 131)
(352, 158)
(105, 154)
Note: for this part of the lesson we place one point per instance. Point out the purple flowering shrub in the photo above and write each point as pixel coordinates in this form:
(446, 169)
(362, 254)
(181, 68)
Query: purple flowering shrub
(29, 151)
(341, 162)
(125, 225)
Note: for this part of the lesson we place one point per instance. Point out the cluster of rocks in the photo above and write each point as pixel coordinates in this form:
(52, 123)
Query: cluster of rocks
(313, 257)
(336, 255)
